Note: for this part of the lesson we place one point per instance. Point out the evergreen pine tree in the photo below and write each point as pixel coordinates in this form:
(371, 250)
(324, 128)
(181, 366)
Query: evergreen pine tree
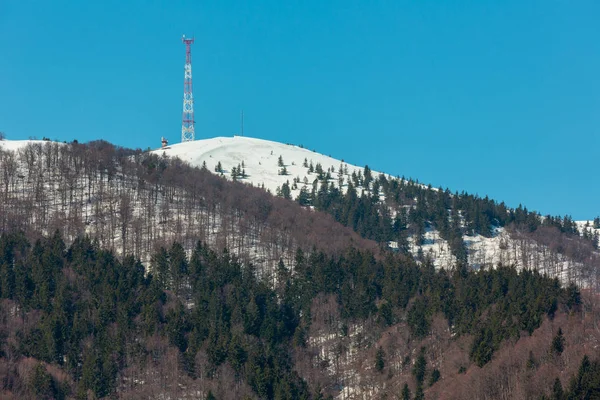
(368, 176)
(558, 343)
(557, 390)
(319, 171)
(303, 197)
(40, 383)
(435, 376)
(420, 366)
(379, 359)
(160, 268)
(405, 392)
(386, 313)
(419, 394)
(285, 191)
(178, 267)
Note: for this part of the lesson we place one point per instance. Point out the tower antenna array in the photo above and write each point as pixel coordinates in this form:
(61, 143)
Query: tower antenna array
(187, 121)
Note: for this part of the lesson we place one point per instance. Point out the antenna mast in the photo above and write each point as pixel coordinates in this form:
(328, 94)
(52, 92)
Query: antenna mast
(187, 123)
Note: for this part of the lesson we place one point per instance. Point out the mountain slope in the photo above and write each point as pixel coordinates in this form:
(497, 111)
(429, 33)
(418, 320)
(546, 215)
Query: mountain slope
(260, 160)
(341, 317)
(133, 202)
(26, 172)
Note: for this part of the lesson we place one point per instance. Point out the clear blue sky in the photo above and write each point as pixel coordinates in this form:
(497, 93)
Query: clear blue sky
(499, 98)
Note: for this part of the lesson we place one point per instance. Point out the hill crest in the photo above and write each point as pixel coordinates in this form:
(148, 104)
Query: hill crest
(260, 159)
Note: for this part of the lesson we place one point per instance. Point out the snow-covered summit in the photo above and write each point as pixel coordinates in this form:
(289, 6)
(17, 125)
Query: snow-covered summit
(260, 160)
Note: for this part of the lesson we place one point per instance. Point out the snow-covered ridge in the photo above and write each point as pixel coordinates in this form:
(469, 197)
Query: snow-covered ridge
(260, 160)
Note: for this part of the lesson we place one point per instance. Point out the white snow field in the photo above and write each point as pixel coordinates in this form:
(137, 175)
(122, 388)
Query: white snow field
(260, 160)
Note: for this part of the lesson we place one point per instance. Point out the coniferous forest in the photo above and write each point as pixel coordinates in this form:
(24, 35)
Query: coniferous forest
(87, 323)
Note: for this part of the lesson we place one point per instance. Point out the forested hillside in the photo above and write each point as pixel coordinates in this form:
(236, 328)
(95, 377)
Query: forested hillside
(406, 213)
(125, 274)
(78, 322)
(132, 202)
(444, 226)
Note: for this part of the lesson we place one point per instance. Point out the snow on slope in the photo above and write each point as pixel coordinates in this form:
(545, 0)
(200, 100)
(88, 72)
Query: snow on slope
(15, 145)
(587, 226)
(260, 160)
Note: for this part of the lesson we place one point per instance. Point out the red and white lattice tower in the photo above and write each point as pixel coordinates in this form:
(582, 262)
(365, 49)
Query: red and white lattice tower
(187, 123)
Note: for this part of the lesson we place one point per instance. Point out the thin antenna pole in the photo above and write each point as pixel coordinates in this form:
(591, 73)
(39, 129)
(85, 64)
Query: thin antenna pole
(242, 130)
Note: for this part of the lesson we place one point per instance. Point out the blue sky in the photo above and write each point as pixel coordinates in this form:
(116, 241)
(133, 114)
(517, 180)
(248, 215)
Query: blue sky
(498, 98)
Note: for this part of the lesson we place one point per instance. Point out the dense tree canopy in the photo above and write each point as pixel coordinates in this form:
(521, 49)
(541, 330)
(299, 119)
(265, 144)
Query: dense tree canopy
(95, 312)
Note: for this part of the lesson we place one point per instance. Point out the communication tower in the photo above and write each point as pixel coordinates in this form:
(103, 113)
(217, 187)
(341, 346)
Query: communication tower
(187, 123)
